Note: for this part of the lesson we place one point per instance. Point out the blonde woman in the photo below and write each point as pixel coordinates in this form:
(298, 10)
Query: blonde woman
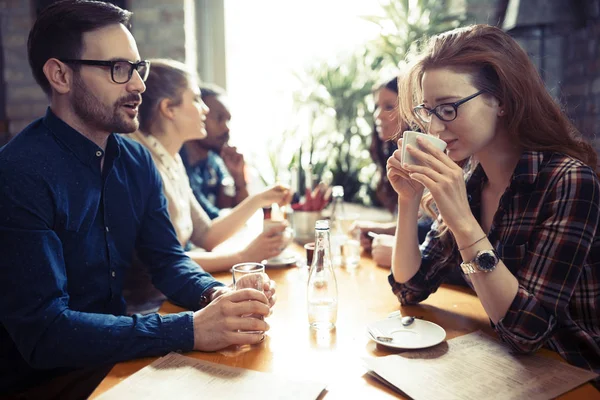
(172, 112)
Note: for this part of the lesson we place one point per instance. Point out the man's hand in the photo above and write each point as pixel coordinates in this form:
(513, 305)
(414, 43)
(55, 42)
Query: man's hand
(269, 289)
(217, 325)
(235, 163)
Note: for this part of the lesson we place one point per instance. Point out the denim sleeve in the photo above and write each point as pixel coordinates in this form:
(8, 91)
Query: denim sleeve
(196, 185)
(35, 308)
(210, 208)
(173, 272)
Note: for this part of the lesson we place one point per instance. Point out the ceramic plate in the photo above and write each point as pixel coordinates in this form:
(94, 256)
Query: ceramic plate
(418, 335)
(283, 260)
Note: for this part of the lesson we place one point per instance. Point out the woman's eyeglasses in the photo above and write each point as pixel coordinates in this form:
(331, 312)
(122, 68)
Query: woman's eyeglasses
(120, 71)
(446, 112)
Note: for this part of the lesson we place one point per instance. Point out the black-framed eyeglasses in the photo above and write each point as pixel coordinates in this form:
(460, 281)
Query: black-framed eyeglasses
(446, 112)
(121, 71)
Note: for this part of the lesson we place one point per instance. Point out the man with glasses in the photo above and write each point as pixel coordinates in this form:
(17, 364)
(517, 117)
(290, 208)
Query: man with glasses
(76, 203)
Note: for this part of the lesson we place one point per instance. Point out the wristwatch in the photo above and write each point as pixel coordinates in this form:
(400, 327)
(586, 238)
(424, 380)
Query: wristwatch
(484, 261)
(207, 296)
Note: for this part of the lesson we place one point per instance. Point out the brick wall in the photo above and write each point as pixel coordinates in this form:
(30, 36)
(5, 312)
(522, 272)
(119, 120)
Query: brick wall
(563, 41)
(157, 25)
(24, 100)
(158, 28)
(581, 85)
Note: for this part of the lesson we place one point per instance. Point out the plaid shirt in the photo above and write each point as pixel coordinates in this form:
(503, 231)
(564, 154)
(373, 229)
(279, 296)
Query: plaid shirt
(546, 231)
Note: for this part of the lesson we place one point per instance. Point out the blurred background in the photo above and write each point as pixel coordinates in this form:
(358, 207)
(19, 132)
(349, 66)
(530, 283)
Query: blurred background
(299, 74)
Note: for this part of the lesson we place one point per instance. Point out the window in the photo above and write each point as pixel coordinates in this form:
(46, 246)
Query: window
(266, 42)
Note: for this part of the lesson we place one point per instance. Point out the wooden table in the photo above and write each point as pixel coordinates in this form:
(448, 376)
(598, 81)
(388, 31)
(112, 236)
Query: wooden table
(293, 349)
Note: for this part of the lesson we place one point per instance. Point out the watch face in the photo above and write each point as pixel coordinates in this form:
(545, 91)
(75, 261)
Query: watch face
(487, 260)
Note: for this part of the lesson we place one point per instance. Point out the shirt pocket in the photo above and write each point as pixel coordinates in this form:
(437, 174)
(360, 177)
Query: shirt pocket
(513, 256)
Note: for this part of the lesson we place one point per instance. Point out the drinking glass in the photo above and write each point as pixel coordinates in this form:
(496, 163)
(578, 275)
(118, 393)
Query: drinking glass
(351, 249)
(249, 275)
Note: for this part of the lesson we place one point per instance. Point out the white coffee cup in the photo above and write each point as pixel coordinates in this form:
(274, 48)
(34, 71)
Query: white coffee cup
(410, 137)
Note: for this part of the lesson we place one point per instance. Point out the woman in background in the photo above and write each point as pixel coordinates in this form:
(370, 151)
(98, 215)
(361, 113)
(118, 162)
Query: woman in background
(523, 223)
(172, 112)
(387, 126)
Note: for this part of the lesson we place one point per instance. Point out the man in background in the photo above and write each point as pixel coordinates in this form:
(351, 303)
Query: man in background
(216, 170)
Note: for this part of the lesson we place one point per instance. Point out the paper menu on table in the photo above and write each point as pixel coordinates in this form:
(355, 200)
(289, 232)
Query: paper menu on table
(180, 377)
(475, 366)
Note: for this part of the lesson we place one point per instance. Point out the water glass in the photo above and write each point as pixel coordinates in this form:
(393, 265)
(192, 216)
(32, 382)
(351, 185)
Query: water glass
(351, 249)
(249, 275)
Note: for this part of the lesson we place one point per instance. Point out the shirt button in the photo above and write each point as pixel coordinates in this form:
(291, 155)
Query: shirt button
(113, 274)
(98, 153)
(107, 230)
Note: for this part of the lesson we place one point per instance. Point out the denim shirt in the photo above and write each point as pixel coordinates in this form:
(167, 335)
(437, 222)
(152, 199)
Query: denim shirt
(206, 178)
(68, 232)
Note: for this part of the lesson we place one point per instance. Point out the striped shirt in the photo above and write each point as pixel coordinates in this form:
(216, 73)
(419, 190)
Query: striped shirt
(546, 231)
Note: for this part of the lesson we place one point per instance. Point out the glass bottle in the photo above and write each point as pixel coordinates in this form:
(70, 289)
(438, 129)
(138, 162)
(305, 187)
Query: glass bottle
(338, 235)
(322, 295)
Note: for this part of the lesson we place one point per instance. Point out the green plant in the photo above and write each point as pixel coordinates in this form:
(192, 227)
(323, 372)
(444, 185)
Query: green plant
(407, 24)
(335, 97)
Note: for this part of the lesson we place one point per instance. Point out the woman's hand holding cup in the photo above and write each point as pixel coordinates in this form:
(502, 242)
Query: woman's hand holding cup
(398, 176)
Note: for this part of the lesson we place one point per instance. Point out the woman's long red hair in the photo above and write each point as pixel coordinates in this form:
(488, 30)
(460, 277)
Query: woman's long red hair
(500, 67)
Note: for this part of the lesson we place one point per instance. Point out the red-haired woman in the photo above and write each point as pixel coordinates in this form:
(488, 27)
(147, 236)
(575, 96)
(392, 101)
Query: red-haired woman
(522, 218)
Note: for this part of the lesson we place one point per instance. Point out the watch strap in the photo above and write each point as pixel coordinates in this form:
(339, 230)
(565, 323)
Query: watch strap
(207, 296)
(473, 267)
(468, 268)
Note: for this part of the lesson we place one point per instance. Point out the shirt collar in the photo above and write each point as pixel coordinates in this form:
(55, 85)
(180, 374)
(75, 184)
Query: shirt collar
(528, 167)
(525, 173)
(83, 148)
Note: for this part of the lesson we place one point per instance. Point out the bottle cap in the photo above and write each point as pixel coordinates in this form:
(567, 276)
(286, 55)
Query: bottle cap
(337, 191)
(322, 225)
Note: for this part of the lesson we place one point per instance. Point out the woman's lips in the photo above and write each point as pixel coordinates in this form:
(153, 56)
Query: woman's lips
(450, 143)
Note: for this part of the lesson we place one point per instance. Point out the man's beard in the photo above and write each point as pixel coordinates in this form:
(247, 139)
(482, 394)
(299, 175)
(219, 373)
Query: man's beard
(102, 117)
(215, 144)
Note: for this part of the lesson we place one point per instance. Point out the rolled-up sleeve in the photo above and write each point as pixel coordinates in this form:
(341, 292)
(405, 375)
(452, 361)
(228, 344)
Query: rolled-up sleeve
(431, 274)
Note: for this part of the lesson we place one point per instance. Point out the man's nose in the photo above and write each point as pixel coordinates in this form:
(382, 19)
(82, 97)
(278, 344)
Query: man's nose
(136, 84)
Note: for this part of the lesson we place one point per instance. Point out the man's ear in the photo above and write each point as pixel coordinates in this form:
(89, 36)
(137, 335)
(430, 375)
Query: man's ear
(166, 108)
(59, 75)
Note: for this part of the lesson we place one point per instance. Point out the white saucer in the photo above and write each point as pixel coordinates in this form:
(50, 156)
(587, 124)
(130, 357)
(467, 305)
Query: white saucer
(282, 260)
(418, 335)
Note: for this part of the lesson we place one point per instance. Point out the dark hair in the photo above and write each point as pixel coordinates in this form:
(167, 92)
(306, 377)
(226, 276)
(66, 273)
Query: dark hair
(384, 192)
(376, 148)
(211, 90)
(167, 79)
(58, 30)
